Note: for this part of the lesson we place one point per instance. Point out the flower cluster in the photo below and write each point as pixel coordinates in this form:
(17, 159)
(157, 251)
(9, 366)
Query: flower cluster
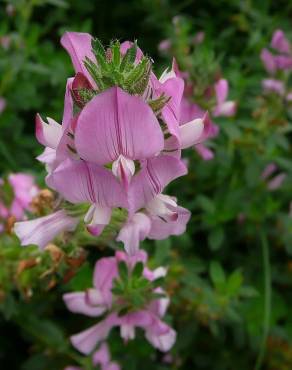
(210, 89)
(277, 62)
(16, 195)
(118, 147)
(127, 295)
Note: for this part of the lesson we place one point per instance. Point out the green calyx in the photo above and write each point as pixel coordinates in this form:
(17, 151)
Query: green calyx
(132, 291)
(111, 68)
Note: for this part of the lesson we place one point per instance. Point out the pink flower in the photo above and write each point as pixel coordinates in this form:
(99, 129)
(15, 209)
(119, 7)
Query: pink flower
(24, 189)
(275, 182)
(100, 300)
(164, 45)
(269, 61)
(161, 218)
(280, 43)
(223, 107)
(273, 85)
(210, 130)
(42, 230)
(102, 358)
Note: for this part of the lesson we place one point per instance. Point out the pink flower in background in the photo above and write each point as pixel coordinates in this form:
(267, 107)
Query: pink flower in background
(273, 85)
(211, 130)
(280, 43)
(102, 358)
(269, 61)
(25, 190)
(273, 183)
(223, 107)
(164, 45)
(100, 300)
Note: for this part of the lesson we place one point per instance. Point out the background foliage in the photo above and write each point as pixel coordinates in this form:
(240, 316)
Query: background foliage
(218, 270)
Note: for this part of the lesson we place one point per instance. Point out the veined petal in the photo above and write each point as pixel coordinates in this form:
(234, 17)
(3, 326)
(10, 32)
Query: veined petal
(104, 272)
(190, 134)
(163, 341)
(68, 105)
(155, 174)
(78, 46)
(80, 181)
(48, 134)
(87, 340)
(115, 123)
(134, 231)
(76, 302)
(41, 231)
(162, 230)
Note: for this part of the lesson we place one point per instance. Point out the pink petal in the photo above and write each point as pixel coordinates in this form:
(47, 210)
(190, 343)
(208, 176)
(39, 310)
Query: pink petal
(104, 272)
(41, 231)
(155, 174)
(269, 170)
(115, 123)
(79, 181)
(78, 46)
(283, 62)
(76, 302)
(86, 341)
(68, 105)
(190, 134)
(172, 88)
(102, 355)
(48, 134)
(269, 61)
(206, 153)
(134, 231)
(280, 42)
(273, 85)
(97, 218)
(227, 109)
(163, 341)
(221, 91)
(161, 229)
(276, 182)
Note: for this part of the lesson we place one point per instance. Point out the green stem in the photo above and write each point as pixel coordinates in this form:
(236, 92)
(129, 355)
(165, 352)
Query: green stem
(267, 301)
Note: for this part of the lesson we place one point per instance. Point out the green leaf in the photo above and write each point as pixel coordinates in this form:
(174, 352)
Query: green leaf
(116, 53)
(138, 270)
(123, 271)
(217, 275)
(234, 282)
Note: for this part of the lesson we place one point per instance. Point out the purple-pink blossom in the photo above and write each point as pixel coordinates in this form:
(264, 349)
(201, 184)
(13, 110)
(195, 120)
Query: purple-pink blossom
(115, 152)
(102, 300)
(23, 189)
